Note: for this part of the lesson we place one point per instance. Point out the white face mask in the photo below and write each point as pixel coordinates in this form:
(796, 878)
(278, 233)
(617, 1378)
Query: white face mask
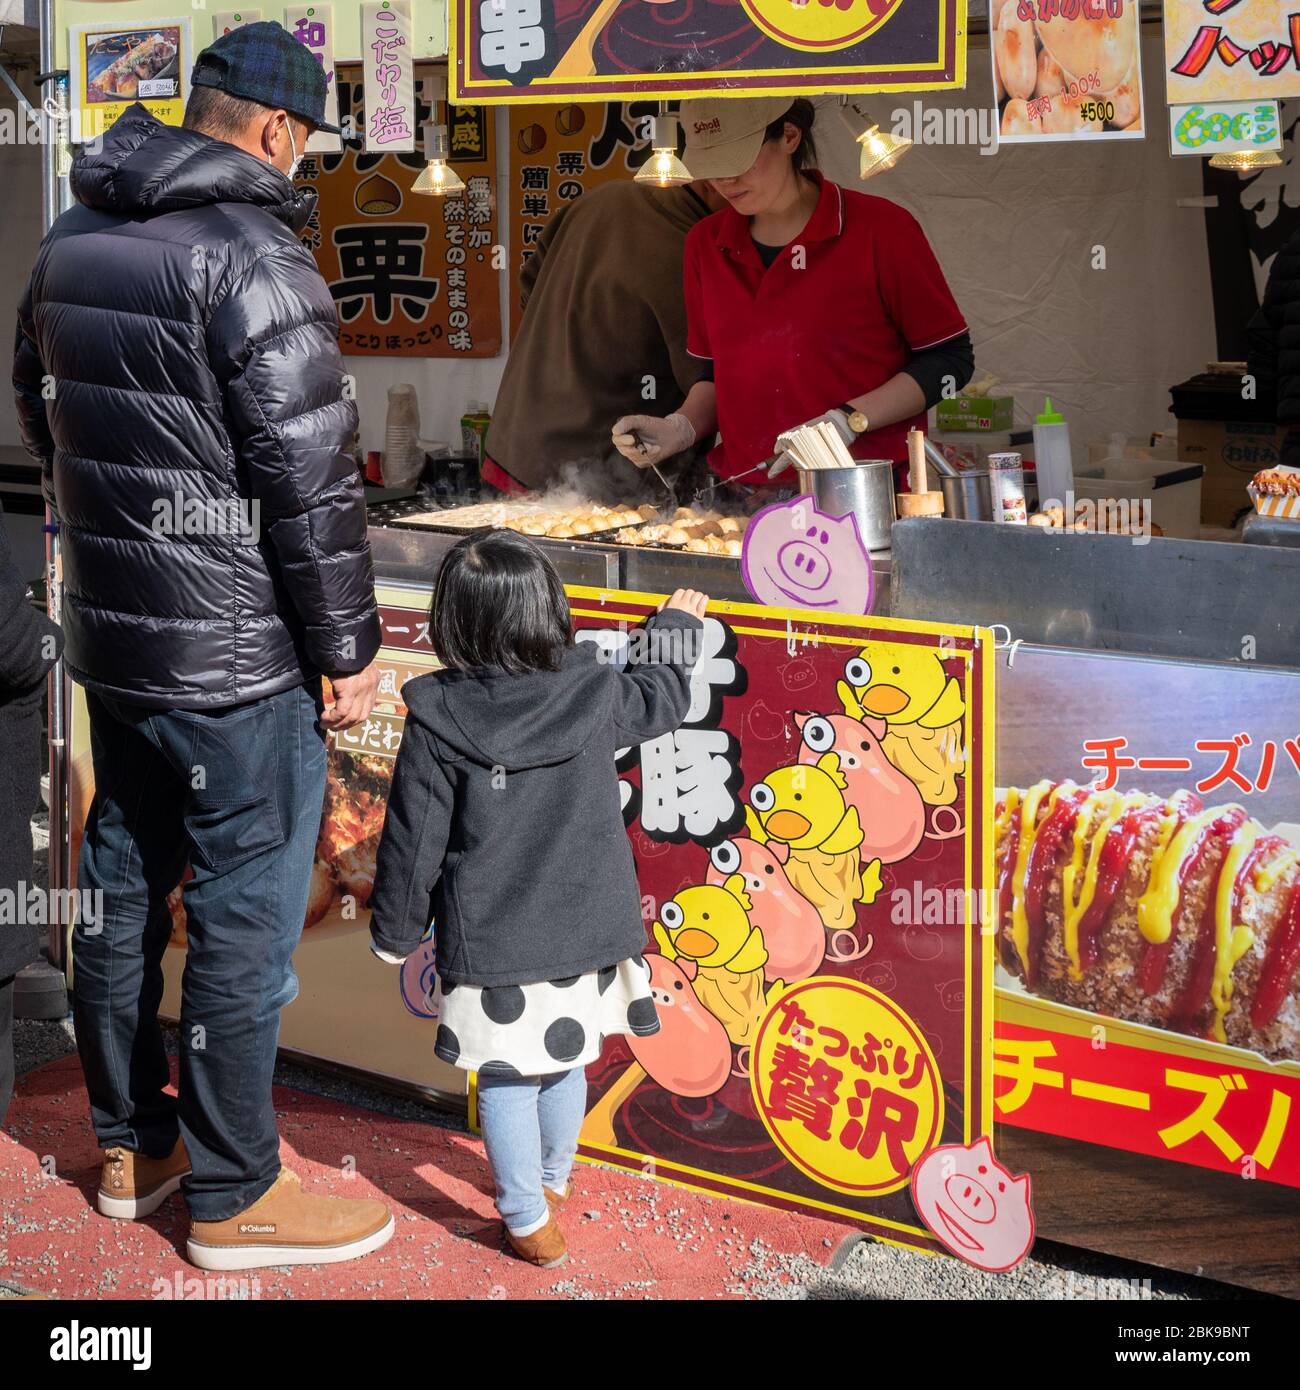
(297, 158)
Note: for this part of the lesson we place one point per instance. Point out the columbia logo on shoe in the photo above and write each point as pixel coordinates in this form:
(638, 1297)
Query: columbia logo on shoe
(247, 1229)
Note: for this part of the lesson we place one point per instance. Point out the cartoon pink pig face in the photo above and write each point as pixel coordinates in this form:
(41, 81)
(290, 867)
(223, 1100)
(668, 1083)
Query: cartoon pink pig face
(974, 1206)
(890, 809)
(690, 1055)
(792, 930)
(796, 555)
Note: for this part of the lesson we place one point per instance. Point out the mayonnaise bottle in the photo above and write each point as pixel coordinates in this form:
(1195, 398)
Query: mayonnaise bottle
(1052, 458)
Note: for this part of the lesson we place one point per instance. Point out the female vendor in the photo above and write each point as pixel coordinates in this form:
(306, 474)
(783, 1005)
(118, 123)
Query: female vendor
(811, 301)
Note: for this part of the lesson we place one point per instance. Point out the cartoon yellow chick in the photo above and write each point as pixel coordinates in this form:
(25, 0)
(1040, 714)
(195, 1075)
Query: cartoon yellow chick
(803, 806)
(710, 925)
(908, 687)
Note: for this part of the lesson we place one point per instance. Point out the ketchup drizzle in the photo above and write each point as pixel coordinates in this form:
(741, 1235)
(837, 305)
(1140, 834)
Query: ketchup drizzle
(1280, 961)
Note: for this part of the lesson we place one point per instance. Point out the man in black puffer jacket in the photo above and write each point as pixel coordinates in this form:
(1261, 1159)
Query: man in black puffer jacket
(178, 375)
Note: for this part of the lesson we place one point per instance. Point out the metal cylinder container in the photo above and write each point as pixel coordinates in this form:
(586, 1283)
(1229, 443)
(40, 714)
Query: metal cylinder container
(866, 490)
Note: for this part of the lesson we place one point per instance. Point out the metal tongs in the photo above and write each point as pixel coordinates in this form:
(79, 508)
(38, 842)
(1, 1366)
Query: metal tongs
(767, 465)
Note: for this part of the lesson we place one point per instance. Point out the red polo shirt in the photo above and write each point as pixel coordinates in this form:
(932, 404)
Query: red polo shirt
(789, 344)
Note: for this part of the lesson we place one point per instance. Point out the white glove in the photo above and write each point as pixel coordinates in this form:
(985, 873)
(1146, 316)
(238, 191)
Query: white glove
(648, 439)
(386, 956)
(838, 421)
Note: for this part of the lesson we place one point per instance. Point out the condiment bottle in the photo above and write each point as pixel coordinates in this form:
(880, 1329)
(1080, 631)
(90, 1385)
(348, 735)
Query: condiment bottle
(1052, 458)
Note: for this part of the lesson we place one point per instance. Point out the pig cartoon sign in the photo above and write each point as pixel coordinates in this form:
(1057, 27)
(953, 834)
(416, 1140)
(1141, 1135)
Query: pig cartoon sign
(795, 555)
(977, 1209)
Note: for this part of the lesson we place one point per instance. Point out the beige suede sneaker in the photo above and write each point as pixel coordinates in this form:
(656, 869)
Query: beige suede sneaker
(545, 1248)
(555, 1200)
(287, 1226)
(133, 1185)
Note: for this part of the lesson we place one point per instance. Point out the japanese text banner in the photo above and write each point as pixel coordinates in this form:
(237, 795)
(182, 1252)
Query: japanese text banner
(548, 50)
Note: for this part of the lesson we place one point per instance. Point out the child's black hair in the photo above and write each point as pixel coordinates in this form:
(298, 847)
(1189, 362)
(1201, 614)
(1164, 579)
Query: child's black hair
(499, 603)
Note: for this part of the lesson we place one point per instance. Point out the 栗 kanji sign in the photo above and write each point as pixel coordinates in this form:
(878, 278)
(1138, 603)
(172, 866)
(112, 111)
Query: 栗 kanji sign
(411, 275)
(548, 50)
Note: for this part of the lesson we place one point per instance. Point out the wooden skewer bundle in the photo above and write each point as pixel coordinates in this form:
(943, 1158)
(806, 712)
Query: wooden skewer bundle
(818, 446)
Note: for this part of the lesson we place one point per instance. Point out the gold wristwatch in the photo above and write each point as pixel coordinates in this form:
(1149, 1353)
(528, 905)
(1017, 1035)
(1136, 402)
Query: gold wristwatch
(857, 421)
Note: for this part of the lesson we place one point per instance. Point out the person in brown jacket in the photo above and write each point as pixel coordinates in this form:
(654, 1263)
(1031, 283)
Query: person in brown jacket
(603, 335)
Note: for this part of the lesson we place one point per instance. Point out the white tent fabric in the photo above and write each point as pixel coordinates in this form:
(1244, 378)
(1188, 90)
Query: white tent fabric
(1018, 233)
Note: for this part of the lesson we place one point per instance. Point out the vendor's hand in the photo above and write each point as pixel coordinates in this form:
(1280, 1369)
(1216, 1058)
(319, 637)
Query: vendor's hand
(686, 601)
(838, 421)
(354, 698)
(648, 439)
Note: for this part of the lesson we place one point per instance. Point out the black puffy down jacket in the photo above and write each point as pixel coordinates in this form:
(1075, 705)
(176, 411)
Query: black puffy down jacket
(177, 345)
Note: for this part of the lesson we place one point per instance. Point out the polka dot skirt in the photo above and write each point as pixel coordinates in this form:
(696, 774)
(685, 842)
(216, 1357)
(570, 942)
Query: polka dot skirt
(537, 1029)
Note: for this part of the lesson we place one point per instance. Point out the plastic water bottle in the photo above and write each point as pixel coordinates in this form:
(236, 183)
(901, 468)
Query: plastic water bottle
(1052, 457)
(403, 459)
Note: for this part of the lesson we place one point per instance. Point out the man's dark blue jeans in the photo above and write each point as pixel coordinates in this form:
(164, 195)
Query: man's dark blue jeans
(237, 794)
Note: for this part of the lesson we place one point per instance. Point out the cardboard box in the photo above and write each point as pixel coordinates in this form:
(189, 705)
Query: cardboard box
(1233, 451)
(982, 413)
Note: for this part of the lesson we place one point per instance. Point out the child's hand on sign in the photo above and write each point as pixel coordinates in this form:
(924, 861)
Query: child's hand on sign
(687, 601)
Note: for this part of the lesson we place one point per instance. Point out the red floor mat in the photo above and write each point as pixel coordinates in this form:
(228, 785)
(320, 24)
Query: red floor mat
(628, 1237)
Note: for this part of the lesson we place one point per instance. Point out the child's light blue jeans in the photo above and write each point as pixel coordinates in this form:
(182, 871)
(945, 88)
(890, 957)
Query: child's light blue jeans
(530, 1130)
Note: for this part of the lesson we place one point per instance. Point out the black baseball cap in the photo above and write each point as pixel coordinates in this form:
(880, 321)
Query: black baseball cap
(263, 62)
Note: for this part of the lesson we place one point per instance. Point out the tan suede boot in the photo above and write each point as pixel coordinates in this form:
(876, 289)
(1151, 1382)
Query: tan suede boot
(545, 1248)
(556, 1200)
(287, 1226)
(133, 1185)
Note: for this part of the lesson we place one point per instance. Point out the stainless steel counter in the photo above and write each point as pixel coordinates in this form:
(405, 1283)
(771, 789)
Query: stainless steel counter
(415, 553)
(1204, 600)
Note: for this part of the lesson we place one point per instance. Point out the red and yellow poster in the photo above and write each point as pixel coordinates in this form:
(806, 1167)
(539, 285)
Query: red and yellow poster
(546, 50)
(1231, 50)
(412, 275)
(1148, 861)
(812, 878)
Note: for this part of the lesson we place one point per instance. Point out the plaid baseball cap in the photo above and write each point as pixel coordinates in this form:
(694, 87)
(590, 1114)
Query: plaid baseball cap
(263, 62)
